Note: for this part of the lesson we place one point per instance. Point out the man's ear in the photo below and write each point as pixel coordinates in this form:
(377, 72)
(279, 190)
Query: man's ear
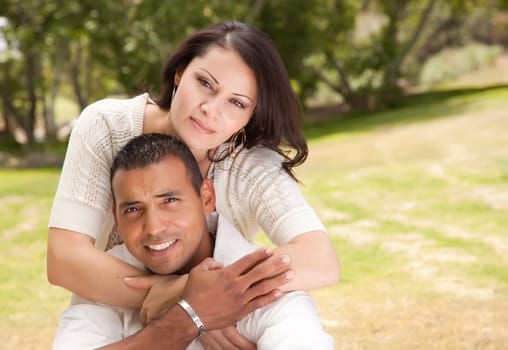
(208, 196)
(113, 208)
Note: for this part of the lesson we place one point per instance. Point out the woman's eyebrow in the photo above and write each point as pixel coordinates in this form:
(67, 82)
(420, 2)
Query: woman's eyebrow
(211, 75)
(217, 82)
(236, 94)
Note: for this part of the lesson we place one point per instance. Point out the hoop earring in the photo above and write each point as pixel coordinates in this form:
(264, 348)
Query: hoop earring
(234, 139)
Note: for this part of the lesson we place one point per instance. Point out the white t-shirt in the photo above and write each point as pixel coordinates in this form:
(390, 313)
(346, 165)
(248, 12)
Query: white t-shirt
(292, 322)
(253, 192)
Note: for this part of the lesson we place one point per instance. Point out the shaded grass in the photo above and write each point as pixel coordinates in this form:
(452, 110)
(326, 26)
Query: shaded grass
(24, 289)
(414, 108)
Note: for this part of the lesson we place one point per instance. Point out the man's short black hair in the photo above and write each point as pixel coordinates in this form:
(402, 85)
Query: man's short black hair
(148, 149)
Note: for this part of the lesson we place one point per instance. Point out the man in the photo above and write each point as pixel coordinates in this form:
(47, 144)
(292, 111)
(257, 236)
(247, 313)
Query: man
(160, 207)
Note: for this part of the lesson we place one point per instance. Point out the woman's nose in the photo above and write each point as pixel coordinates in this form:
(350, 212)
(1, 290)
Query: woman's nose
(210, 108)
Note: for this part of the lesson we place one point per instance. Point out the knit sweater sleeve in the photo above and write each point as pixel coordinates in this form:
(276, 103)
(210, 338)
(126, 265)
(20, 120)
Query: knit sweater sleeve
(83, 198)
(255, 193)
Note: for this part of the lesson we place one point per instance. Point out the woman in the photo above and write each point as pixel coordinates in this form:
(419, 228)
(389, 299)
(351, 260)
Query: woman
(226, 94)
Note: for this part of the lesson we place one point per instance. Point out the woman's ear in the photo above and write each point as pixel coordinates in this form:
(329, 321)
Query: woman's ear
(178, 77)
(208, 196)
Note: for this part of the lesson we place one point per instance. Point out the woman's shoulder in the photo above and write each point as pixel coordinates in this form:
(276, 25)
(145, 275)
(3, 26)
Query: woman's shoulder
(259, 157)
(260, 152)
(252, 162)
(114, 104)
(114, 112)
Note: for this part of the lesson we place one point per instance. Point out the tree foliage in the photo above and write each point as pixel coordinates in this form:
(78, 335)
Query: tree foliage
(85, 50)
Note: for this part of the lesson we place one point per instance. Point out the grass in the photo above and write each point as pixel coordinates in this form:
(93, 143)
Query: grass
(415, 201)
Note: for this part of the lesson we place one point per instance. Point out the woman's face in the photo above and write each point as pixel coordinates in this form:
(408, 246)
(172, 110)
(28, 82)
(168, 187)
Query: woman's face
(216, 96)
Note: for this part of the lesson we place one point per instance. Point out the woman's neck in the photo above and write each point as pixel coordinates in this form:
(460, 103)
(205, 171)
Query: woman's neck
(157, 120)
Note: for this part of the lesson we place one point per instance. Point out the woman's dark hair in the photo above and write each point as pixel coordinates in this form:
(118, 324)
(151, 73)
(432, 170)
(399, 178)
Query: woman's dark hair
(276, 120)
(147, 149)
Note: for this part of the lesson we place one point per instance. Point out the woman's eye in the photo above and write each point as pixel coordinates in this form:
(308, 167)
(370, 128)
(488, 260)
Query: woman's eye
(238, 104)
(171, 200)
(205, 83)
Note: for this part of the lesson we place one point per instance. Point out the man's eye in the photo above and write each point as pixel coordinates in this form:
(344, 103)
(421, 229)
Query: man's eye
(131, 210)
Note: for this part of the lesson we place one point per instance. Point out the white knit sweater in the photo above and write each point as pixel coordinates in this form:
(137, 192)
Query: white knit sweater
(253, 192)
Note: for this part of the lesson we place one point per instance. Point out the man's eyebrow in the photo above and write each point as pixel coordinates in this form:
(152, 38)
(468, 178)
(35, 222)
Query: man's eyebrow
(168, 194)
(125, 204)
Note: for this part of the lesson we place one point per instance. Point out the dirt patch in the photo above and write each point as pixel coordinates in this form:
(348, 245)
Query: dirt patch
(409, 323)
(31, 213)
(30, 160)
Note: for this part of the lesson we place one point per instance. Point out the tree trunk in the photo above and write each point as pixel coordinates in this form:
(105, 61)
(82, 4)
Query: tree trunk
(392, 73)
(49, 106)
(12, 116)
(31, 72)
(75, 64)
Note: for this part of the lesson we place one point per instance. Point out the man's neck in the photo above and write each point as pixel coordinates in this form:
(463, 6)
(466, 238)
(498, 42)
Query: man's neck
(205, 250)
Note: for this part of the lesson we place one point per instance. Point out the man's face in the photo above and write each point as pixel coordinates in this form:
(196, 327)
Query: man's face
(161, 217)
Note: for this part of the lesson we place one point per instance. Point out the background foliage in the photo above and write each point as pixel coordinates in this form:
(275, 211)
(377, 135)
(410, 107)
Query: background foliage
(363, 53)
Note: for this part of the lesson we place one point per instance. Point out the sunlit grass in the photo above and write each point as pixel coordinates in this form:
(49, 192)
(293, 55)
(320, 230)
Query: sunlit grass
(415, 202)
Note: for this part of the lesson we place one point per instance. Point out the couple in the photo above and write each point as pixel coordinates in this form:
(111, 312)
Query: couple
(226, 94)
(160, 204)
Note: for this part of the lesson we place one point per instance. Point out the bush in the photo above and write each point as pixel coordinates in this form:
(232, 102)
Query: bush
(450, 63)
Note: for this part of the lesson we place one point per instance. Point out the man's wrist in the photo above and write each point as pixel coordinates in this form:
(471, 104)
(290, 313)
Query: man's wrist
(182, 329)
(194, 317)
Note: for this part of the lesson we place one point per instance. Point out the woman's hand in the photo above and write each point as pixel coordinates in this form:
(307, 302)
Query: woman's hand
(226, 338)
(164, 292)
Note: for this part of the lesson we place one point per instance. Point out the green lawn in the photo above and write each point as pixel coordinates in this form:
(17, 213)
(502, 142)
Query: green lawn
(415, 200)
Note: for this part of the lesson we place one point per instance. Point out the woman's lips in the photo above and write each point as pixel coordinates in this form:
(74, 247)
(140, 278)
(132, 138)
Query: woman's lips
(201, 127)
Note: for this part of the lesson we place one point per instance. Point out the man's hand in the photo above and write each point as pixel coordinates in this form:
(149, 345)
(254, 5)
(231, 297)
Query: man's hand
(226, 339)
(219, 295)
(223, 295)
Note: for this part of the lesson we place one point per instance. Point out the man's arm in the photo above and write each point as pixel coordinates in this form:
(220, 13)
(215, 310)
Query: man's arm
(175, 330)
(219, 295)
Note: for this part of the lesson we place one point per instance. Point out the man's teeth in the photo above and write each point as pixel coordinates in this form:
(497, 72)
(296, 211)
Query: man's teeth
(161, 246)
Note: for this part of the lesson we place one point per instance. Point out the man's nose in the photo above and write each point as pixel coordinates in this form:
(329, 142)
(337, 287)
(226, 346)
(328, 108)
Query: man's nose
(154, 222)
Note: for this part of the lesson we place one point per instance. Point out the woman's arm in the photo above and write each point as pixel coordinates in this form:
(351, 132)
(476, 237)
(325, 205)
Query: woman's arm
(313, 260)
(75, 264)
(253, 191)
(82, 205)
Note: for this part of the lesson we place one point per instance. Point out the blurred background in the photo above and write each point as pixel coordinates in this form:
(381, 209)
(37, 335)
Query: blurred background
(406, 115)
(58, 56)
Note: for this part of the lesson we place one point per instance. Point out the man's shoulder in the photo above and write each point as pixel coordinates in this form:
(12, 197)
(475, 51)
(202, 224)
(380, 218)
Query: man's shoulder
(230, 244)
